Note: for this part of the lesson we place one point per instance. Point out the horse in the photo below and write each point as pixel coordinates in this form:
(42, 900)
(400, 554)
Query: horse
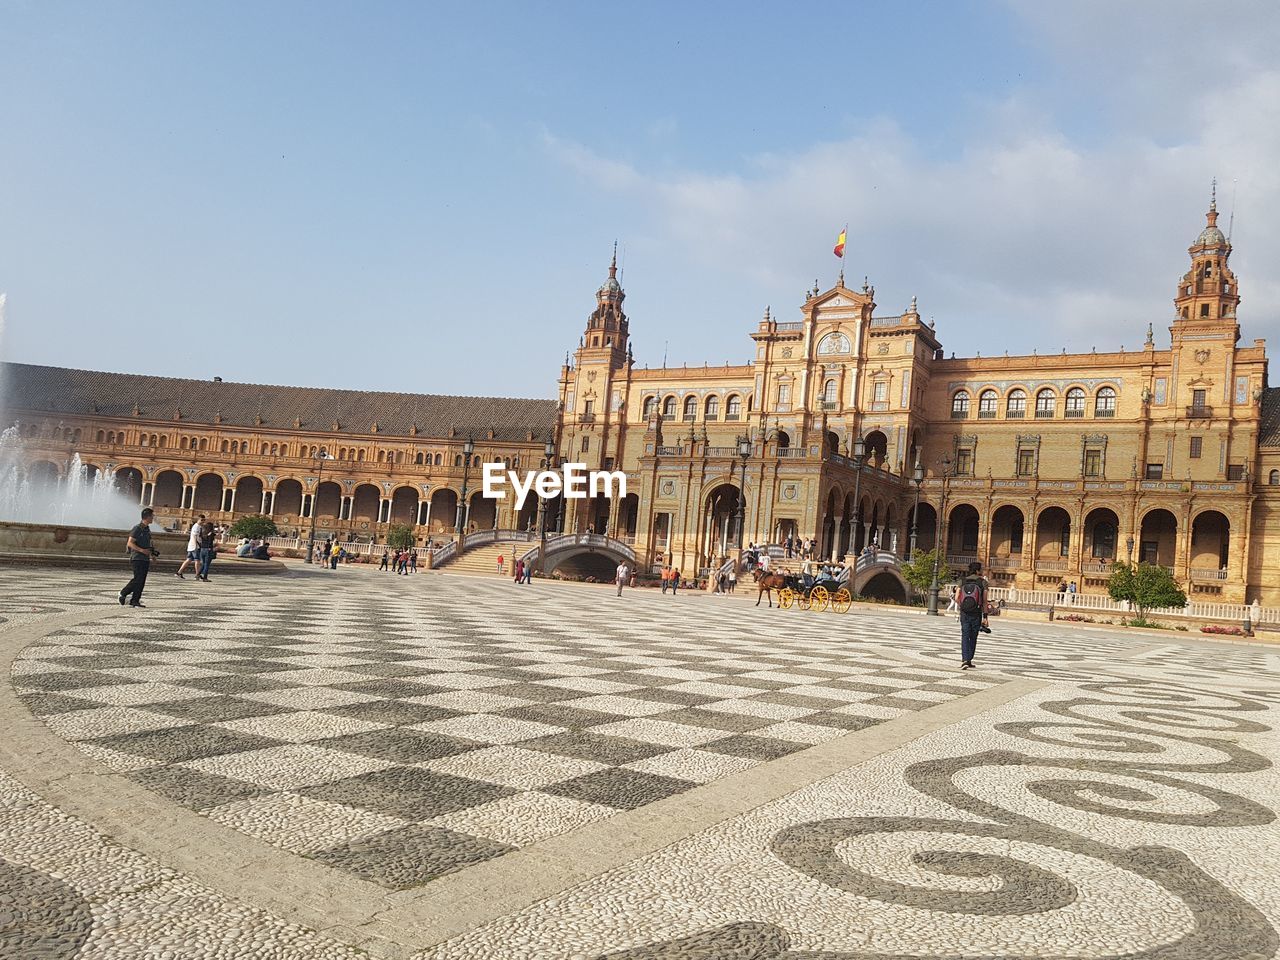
(767, 583)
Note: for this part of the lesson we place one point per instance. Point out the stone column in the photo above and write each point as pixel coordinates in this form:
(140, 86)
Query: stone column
(231, 500)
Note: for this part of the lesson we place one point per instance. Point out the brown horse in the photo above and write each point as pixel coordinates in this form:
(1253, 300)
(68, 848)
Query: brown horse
(767, 583)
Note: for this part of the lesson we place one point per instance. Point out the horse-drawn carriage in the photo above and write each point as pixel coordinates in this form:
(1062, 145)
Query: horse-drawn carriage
(816, 587)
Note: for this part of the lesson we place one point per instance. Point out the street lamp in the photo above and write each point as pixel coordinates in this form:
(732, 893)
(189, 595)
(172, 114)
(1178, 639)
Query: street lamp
(322, 456)
(917, 477)
(550, 451)
(940, 547)
(744, 451)
(468, 448)
(859, 456)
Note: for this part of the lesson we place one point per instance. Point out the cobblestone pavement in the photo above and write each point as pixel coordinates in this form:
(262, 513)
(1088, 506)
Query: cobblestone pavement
(333, 764)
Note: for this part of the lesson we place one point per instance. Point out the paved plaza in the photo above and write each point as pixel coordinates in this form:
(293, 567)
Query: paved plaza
(355, 764)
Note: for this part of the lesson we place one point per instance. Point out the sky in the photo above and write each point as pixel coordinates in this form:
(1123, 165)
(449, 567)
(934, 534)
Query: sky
(424, 197)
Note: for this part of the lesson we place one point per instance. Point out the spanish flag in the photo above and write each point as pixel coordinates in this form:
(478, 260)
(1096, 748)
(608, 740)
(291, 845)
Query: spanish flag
(839, 251)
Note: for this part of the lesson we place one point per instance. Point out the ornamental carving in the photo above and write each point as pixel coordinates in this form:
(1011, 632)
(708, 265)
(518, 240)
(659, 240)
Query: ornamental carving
(833, 344)
(1202, 356)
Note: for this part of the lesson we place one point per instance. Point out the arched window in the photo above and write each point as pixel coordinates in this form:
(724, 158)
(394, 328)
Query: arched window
(829, 391)
(669, 408)
(691, 408)
(713, 408)
(359, 455)
(1075, 402)
(1046, 401)
(1274, 478)
(475, 461)
(382, 456)
(111, 436)
(399, 456)
(1104, 404)
(960, 406)
(418, 459)
(164, 442)
(733, 407)
(457, 460)
(650, 407)
(102, 436)
(439, 460)
(987, 403)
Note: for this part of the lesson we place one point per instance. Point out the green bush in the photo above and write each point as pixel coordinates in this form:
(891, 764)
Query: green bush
(919, 571)
(1145, 586)
(255, 527)
(401, 537)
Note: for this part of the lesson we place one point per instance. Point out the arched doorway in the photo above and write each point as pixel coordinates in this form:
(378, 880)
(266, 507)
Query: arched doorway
(877, 449)
(1053, 537)
(628, 518)
(288, 498)
(1210, 540)
(128, 480)
(404, 506)
(1006, 536)
(719, 534)
(926, 528)
(208, 492)
(168, 491)
(527, 518)
(328, 500)
(483, 514)
(845, 536)
(1159, 539)
(831, 521)
(833, 442)
(444, 512)
(365, 503)
(248, 495)
(962, 534)
(1101, 534)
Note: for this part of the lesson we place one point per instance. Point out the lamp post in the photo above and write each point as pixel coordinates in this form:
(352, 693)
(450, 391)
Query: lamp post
(550, 451)
(468, 448)
(941, 547)
(744, 451)
(322, 455)
(859, 456)
(917, 477)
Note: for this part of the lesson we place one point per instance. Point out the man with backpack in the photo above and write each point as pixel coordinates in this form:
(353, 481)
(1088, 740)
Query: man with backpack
(971, 598)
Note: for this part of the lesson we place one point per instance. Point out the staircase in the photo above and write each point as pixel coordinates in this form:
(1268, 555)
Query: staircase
(483, 561)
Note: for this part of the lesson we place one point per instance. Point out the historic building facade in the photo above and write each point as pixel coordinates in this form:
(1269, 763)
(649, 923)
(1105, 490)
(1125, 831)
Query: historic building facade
(1045, 467)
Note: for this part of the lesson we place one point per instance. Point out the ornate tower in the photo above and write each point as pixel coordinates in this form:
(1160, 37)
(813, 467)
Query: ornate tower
(1207, 293)
(605, 339)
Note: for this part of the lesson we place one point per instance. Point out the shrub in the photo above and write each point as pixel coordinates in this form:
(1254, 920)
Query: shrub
(1228, 631)
(919, 572)
(401, 537)
(254, 526)
(1145, 586)
(1075, 618)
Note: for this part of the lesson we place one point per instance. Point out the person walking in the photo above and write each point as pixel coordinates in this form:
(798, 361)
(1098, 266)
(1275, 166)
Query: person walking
(502, 561)
(386, 559)
(413, 560)
(971, 598)
(621, 575)
(675, 580)
(664, 575)
(733, 577)
(519, 571)
(193, 549)
(208, 550)
(140, 554)
(528, 573)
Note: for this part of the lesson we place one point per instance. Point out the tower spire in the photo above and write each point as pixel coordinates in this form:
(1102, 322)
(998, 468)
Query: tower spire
(613, 264)
(1213, 195)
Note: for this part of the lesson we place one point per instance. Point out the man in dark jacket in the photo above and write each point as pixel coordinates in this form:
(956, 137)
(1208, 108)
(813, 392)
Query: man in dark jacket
(971, 598)
(140, 554)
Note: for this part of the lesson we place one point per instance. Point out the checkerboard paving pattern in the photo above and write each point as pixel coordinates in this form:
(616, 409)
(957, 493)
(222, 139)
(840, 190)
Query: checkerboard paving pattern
(401, 735)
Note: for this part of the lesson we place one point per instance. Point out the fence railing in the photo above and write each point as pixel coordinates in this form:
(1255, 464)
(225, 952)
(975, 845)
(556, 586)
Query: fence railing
(1103, 603)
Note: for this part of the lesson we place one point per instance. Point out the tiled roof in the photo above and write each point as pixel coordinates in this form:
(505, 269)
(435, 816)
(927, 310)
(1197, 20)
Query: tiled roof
(61, 390)
(1269, 430)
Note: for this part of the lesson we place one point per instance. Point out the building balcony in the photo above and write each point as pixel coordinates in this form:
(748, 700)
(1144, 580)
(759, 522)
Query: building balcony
(1005, 563)
(1052, 566)
(670, 451)
(830, 404)
(586, 418)
(1015, 414)
(732, 416)
(959, 414)
(1044, 414)
(792, 453)
(721, 451)
(1097, 568)
(1104, 412)
(1200, 412)
(1072, 414)
(1207, 573)
(986, 414)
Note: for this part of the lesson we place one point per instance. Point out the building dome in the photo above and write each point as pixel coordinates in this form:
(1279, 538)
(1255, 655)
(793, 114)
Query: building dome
(1211, 236)
(610, 286)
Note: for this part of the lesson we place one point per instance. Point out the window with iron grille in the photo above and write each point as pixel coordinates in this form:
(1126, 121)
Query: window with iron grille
(1197, 445)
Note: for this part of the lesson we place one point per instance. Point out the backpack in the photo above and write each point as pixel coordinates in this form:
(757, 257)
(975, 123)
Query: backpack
(971, 597)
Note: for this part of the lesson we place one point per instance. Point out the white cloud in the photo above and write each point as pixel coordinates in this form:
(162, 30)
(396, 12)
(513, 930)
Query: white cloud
(1023, 237)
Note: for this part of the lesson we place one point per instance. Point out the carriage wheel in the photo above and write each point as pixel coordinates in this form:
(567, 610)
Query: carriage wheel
(802, 600)
(840, 602)
(819, 598)
(786, 597)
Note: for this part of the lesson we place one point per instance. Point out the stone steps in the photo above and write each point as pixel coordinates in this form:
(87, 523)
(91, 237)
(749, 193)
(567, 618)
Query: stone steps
(484, 560)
